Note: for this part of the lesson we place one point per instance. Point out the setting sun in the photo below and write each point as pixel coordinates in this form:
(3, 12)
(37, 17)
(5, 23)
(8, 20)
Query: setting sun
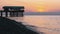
(41, 9)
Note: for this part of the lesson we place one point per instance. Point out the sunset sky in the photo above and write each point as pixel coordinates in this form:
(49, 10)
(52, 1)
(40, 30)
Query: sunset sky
(34, 5)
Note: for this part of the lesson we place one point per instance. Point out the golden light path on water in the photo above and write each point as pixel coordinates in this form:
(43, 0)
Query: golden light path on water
(49, 24)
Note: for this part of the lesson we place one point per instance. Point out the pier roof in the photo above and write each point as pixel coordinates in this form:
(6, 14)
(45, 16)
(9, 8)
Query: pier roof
(13, 7)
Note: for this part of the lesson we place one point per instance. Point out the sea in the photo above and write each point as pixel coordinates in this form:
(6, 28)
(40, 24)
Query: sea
(48, 24)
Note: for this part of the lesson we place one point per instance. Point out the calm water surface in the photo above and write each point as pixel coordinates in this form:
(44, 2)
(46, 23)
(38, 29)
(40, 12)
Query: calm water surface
(49, 24)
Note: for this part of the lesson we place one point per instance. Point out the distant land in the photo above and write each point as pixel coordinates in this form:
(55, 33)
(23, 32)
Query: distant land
(41, 13)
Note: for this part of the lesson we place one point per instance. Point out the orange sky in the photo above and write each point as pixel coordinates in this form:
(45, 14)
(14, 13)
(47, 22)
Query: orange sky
(34, 5)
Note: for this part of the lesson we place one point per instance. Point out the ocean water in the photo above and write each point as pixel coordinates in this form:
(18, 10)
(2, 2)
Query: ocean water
(48, 24)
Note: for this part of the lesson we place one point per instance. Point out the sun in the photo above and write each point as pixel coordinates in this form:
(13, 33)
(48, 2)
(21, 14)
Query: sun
(41, 9)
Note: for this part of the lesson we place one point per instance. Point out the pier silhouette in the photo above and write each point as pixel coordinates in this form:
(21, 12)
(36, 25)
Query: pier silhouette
(12, 11)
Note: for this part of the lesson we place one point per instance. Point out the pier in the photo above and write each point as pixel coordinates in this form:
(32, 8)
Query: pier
(12, 11)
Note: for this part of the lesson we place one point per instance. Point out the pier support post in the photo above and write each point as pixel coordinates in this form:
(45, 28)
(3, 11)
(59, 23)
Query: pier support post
(1, 13)
(6, 14)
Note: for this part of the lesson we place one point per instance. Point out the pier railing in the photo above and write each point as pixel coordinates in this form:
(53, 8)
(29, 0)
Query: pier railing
(11, 14)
